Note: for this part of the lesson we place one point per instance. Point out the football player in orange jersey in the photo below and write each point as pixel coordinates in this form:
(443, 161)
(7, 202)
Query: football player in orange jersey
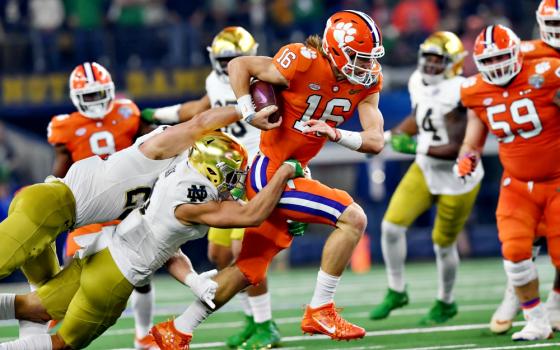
(548, 19)
(518, 102)
(325, 81)
(102, 125)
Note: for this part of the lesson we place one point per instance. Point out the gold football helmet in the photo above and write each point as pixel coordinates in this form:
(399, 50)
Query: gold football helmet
(231, 42)
(451, 54)
(223, 160)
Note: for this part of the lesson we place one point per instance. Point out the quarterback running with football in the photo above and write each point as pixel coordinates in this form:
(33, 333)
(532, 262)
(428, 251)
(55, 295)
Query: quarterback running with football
(260, 331)
(325, 81)
(101, 125)
(439, 121)
(548, 19)
(197, 191)
(518, 102)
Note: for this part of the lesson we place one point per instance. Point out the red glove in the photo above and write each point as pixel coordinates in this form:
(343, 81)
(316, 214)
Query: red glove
(466, 164)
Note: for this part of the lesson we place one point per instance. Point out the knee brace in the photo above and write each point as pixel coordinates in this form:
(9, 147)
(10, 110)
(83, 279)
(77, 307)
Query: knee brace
(520, 273)
(391, 232)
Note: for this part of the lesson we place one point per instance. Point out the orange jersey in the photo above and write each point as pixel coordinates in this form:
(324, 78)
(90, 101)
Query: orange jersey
(534, 49)
(523, 118)
(85, 137)
(313, 93)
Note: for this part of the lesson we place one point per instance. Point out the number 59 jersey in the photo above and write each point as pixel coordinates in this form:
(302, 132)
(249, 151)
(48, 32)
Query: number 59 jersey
(85, 137)
(313, 93)
(106, 190)
(432, 103)
(523, 117)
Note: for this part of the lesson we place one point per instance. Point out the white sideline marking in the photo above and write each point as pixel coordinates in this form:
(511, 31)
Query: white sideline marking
(525, 346)
(465, 327)
(368, 347)
(459, 346)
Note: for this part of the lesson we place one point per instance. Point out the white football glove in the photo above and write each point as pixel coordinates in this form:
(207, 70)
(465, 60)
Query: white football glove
(203, 286)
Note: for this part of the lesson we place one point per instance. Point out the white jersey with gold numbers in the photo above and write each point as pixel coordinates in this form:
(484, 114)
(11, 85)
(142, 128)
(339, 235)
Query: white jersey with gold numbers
(150, 235)
(220, 94)
(432, 103)
(108, 189)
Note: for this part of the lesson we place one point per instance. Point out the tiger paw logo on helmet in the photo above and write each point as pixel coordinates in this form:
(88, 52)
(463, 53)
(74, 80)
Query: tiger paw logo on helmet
(344, 33)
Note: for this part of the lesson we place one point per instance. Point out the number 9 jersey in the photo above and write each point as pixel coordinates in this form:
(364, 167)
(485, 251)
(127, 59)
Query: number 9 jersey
(314, 93)
(524, 118)
(85, 137)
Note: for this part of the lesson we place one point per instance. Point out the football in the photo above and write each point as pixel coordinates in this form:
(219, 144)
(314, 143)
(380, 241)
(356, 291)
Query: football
(264, 94)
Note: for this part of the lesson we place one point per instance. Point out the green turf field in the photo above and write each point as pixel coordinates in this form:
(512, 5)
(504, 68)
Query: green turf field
(480, 287)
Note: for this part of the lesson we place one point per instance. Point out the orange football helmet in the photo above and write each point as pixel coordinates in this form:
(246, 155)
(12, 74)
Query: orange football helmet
(549, 11)
(353, 43)
(92, 90)
(497, 55)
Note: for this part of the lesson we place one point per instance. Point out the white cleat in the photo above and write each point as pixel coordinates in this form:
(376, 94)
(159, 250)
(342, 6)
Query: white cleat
(502, 319)
(534, 330)
(553, 310)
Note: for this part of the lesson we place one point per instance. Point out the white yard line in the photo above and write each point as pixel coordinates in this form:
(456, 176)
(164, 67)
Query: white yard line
(524, 346)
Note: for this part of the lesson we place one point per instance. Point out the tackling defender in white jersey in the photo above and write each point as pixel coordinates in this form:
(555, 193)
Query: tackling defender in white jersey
(225, 244)
(192, 193)
(439, 122)
(94, 190)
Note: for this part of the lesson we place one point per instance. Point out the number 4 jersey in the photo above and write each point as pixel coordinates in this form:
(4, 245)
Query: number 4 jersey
(85, 137)
(432, 103)
(313, 93)
(523, 117)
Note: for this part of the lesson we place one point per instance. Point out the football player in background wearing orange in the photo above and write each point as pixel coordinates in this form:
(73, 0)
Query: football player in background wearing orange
(102, 125)
(325, 81)
(518, 101)
(548, 19)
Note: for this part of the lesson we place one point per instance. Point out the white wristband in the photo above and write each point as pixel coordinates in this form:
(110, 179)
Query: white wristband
(350, 139)
(167, 115)
(190, 278)
(422, 148)
(246, 107)
(387, 136)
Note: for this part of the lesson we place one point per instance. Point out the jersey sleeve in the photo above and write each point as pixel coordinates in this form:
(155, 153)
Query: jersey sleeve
(412, 86)
(196, 190)
(468, 90)
(58, 130)
(293, 58)
(454, 91)
(552, 75)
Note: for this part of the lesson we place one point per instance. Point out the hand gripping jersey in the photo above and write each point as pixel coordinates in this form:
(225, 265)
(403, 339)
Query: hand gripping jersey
(108, 189)
(85, 137)
(432, 103)
(314, 92)
(150, 235)
(523, 118)
(221, 94)
(534, 49)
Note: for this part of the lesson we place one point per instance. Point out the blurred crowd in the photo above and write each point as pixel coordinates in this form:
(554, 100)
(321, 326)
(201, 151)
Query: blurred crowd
(54, 35)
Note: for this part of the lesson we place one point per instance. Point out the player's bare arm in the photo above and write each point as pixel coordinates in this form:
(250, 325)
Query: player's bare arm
(455, 124)
(62, 160)
(231, 214)
(475, 135)
(179, 266)
(407, 126)
(370, 140)
(177, 138)
(191, 108)
(241, 69)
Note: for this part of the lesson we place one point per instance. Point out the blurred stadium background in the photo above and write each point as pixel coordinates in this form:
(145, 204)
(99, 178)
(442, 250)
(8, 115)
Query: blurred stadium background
(156, 52)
